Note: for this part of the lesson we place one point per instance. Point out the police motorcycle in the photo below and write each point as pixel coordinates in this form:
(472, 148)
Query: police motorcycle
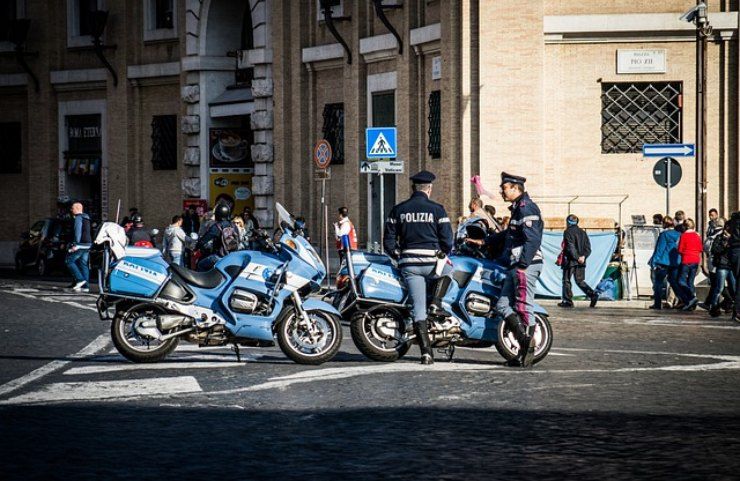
(249, 298)
(371, 294)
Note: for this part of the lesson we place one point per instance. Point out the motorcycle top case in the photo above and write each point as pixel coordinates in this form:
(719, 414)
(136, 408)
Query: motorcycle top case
(137, 276)
(379, 281)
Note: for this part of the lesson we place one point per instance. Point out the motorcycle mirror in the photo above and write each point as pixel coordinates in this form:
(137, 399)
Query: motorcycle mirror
(194, 235)
(154, 232)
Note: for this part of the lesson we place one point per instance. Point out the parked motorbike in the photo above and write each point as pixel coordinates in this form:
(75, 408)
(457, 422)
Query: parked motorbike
(249, 298)
(373, 297)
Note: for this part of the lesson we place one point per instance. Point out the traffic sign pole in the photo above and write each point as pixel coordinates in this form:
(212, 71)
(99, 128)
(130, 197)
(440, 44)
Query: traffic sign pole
(382, 209)
(669, 163)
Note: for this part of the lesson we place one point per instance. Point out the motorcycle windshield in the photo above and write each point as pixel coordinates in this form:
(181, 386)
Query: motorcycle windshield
(296, 243)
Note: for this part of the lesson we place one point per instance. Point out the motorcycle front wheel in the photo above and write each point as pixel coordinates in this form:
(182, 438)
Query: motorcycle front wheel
(508, 346)
(313, 342)
(132, 344)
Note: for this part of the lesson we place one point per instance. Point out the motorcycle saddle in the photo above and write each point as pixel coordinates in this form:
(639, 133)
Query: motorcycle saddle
(206, 280)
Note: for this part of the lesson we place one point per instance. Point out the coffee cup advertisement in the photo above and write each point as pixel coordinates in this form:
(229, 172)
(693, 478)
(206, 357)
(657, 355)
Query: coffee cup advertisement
(230, 148)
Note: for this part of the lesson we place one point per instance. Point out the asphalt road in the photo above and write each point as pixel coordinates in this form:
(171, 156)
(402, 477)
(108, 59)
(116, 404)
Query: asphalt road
(624, 394)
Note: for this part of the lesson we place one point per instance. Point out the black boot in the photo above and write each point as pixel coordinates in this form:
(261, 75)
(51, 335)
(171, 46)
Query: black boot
(422, 334)
(440, 290)
(520, 334)
(526, 348)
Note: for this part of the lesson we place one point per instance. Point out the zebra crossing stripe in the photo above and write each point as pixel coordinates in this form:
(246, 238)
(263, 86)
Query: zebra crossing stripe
(91, 391)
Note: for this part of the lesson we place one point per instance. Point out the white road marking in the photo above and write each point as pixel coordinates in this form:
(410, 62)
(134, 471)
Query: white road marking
(90, 391)
(97, 345)
(55, 299)
(80, 371)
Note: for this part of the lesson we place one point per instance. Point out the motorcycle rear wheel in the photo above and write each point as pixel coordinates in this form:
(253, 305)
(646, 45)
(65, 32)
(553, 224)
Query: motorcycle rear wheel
(297, 343)
(508, 346)
(130, 344)
(372, 338)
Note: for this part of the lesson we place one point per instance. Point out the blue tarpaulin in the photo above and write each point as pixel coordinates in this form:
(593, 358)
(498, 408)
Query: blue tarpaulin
(550, 283)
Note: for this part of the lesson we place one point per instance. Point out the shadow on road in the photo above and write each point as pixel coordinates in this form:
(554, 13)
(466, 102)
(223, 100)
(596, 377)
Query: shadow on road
(115, 441)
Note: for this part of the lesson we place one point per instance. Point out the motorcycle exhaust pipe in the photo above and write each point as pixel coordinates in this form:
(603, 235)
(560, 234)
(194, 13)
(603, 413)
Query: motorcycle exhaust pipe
(175, 334)
(171, 321)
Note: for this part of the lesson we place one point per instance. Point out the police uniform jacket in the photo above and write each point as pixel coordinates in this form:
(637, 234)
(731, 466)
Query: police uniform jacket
(523, 237)
(416, 229)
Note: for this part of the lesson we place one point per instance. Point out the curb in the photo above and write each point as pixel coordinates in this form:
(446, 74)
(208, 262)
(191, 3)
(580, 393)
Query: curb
(625, 304)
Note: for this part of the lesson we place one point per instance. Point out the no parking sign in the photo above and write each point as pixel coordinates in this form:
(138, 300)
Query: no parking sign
(322, 154)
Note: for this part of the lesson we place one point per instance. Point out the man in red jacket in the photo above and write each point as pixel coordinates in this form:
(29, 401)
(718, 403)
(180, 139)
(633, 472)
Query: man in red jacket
(690, 247)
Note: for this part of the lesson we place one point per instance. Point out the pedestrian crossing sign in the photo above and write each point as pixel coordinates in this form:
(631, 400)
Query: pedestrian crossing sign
(380, 143)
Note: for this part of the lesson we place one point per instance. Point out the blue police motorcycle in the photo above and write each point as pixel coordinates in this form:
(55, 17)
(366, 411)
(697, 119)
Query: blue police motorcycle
(249, 298)
(373, 297)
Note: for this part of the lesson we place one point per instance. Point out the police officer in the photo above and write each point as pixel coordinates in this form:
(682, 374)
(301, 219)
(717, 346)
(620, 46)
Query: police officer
(522, 254)
(417, 231)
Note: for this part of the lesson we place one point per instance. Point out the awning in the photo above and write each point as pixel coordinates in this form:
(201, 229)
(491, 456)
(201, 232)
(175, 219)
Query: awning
(234, 101)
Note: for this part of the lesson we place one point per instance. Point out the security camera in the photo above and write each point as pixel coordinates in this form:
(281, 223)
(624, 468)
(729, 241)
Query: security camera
(694, 12)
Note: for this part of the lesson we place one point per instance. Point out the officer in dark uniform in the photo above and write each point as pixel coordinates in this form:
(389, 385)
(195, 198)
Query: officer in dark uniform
(418, 232)
(523, 256)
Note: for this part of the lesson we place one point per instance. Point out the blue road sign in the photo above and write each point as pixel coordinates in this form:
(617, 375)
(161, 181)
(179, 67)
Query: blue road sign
(380, 143)
(668, 150)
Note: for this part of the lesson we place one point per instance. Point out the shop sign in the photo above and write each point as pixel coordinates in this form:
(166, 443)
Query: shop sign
(641, 61)
(234, 190)
(229, 148)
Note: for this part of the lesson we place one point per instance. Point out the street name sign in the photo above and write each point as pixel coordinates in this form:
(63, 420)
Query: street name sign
(381, 143)
(666, 150)
(382, 167)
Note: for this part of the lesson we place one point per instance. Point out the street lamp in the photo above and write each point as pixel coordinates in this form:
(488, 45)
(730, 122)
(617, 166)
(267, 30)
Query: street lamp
(698, 16)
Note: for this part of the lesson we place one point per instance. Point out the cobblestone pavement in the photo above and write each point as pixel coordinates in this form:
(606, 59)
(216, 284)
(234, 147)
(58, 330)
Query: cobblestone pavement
(624, 394)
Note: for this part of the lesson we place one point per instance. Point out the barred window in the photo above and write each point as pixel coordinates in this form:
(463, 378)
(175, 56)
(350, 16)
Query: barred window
(633, 114)
(434, 147)
(164, 142)
(334, 130)
(10, 148)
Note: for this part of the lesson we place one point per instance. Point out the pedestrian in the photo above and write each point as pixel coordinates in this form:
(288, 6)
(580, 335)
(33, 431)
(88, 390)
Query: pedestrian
(77, 257)
(576, 249)
(251, 226)
(175, 240)
(190, 220)
(690, 247)
(522, 255)
(221, 238)
(678, 221)
(417, 233)
(243, 238)
(716, 223)
(208, 221)
(723, 274)
(658, 220)
(665, 262)
(495, 225)
(127, 222)
(344, 227)
(714, 230)
(477, 218)
(734, 245)
(138, 235)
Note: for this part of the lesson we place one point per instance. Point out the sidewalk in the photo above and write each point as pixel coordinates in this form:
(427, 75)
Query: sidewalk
(621, 304)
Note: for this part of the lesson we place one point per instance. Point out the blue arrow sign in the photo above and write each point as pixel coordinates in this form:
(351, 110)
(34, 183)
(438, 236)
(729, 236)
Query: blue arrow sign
(380, 143)
(668, 150)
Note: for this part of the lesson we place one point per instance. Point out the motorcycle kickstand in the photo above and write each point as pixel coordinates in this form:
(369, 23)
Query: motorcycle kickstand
(235, 347)
(448, 352)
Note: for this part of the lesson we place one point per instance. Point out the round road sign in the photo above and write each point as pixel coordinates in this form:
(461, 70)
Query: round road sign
(322, 154)
(660, 172)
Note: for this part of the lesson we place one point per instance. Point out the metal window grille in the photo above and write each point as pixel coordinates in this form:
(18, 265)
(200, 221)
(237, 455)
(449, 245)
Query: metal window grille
(163, 14)
(435, 119)
(164, 142)
(633, 114)
(333, 130)
(10, 148)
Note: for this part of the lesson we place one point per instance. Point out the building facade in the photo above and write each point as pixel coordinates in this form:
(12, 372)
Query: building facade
(200, 101)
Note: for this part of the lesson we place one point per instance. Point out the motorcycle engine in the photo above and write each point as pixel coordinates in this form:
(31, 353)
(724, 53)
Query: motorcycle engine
(243, 301)
(478, 305)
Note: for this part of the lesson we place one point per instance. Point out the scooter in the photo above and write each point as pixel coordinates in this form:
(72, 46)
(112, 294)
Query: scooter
(372, 295)
(249, 298)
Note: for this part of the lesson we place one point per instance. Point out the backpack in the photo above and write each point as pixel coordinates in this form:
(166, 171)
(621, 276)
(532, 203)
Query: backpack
(229, 239)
